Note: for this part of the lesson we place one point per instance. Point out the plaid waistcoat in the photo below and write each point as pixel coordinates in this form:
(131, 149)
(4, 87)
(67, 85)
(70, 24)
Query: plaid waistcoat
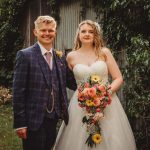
(54, 84)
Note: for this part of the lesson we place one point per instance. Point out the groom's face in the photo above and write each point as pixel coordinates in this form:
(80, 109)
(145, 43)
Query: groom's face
(45, 33)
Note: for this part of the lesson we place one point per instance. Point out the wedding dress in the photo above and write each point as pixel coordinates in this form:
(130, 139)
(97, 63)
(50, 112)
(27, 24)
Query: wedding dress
(115, 128)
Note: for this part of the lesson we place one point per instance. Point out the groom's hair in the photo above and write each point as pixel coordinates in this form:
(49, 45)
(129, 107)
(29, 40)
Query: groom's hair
(44, 19)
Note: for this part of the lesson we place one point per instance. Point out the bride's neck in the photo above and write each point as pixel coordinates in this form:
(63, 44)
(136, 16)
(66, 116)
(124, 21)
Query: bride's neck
(87, 48)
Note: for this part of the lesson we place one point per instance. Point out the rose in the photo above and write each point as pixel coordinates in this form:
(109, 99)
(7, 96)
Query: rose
(81, 96)
(91, 92)
(102, 89)
(96, 102)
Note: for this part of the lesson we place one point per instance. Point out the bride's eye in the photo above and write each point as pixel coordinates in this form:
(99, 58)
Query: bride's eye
(91, 31)
(83, 31)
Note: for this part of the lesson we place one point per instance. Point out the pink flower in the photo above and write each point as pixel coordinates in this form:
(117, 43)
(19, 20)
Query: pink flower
(85, 91)
(98, 110)
(91, 92)
(102, 89)
(101, 98)
(86, 85)
(96, 102)
(80, 97)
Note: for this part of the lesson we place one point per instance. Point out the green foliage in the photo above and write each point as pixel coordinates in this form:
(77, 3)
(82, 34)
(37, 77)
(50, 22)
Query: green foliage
(8, 137)
(137, 90)
(54, 9)
(126, 26)
(10, 37)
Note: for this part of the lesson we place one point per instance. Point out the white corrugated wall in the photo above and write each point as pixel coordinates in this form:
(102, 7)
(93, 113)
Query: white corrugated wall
(70, 18)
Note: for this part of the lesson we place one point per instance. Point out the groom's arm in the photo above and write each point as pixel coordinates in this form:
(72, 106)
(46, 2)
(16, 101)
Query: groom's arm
(19, 90)
(70, 79)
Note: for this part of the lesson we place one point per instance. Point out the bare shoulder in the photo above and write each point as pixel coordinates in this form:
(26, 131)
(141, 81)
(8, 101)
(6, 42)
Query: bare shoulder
(71, 55)
(106, 51)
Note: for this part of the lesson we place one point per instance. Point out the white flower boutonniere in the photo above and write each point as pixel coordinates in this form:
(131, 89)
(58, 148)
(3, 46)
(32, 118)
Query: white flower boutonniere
(59, 53)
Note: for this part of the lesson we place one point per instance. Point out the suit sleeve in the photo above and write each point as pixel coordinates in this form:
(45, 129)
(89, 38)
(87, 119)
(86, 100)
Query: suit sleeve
(70, 79)
(19, 90)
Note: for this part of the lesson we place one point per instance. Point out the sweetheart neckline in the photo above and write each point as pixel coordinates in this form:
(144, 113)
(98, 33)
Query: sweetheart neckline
(88, 65)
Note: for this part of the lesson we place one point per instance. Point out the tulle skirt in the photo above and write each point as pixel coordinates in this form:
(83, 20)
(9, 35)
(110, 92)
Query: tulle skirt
(115, 128)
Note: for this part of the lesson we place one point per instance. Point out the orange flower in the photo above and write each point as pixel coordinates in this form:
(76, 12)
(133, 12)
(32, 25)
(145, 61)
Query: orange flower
(96, 102)
(91, 92)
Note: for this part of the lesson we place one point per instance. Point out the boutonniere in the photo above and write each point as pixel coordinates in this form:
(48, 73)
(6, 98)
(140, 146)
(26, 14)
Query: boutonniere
(59, 53)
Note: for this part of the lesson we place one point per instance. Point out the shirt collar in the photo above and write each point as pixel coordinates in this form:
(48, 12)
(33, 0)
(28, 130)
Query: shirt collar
(43, 50)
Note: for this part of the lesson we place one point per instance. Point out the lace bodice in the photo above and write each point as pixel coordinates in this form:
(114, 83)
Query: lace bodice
(82, 71)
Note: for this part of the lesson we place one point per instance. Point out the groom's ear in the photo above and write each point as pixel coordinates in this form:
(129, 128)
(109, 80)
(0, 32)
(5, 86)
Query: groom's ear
(35, 32)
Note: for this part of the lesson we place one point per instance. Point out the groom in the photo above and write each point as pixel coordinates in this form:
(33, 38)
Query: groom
(39, 88)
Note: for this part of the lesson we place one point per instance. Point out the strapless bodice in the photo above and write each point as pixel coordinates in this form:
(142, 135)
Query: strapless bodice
(82, 71)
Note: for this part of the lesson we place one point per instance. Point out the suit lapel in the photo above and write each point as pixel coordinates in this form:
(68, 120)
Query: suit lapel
(59, 64)
(42, 62)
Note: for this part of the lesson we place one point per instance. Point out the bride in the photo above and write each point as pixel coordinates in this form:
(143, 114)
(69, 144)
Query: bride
(91, 57)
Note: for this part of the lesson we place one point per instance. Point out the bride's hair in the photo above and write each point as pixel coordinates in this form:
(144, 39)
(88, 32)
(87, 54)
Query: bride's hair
(98, 42)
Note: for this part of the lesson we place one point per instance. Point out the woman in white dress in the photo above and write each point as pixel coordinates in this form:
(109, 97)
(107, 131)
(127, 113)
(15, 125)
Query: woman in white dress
(91, 57)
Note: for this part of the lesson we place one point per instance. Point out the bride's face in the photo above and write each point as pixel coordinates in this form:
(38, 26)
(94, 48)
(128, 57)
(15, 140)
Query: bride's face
(86, 34)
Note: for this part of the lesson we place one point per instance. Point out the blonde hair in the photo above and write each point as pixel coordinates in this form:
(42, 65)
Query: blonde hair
(44, 19)
(98, 42)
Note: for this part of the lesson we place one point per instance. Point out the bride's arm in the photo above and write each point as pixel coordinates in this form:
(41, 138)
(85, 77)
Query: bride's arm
(70, 59)
(113, 70)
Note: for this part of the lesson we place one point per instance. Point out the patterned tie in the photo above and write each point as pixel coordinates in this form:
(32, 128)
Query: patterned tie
(48, 56)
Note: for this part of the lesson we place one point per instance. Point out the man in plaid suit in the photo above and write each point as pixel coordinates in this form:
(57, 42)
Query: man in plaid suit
(40, 79)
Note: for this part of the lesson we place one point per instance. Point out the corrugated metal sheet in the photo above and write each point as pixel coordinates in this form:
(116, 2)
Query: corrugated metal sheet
(70, 18)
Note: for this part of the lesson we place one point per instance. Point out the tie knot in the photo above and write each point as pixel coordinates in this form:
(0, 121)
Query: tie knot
(48, 54)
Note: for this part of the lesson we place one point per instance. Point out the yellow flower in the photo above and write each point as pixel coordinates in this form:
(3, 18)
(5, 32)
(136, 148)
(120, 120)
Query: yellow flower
(95, 78)
(97, 138)
(89, 103)
(59, 53)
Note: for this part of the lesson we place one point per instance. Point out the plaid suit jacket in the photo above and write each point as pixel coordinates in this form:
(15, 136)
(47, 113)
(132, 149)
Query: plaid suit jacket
(31, 87)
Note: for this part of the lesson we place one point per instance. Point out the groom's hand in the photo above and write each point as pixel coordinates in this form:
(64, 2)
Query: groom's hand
(22, 133)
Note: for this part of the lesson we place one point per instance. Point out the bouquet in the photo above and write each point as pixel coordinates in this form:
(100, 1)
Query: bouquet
(93, 97)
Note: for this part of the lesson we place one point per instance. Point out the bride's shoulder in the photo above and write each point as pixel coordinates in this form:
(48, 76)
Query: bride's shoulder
(107, 53)
(71, 55)
(105, 50)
